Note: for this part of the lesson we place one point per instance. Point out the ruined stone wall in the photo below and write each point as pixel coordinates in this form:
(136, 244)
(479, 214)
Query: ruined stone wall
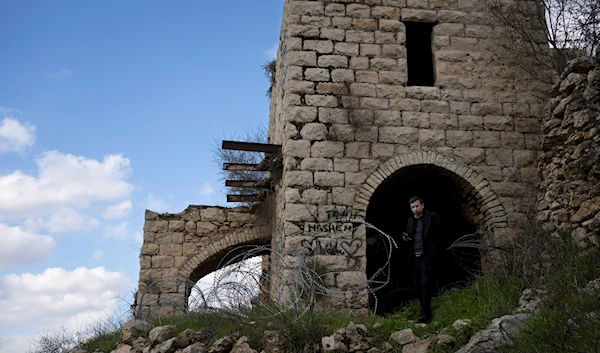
(347, 121)
(181, 248)
(570, 167)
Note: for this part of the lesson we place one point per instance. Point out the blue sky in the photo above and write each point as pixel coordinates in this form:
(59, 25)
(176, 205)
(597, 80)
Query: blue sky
(106, 109)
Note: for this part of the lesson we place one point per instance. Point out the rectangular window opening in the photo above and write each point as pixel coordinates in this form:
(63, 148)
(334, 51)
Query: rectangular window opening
(419, 53)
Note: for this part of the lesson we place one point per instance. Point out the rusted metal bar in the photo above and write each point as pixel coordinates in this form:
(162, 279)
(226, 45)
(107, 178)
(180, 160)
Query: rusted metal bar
(244, 183)
(242, 198)
(240, 166)
(250, 146)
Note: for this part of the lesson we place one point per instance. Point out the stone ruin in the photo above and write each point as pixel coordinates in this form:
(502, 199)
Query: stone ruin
(375, 101)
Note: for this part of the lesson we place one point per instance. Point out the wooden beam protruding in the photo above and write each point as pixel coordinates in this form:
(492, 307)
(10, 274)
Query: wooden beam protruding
(250, 146)
(245, 183)
(241, 166)
(242, 198)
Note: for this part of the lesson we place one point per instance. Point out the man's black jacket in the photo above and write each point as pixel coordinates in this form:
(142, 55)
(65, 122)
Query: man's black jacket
(432, 235)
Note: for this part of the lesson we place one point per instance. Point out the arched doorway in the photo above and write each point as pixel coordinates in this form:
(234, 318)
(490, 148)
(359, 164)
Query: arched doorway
(444, 192)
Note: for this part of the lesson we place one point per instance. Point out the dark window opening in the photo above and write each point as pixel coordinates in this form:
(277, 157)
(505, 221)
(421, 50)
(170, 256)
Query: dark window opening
(419, 53)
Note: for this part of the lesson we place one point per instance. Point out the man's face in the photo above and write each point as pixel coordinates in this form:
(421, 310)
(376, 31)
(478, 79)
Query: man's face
(417, 208)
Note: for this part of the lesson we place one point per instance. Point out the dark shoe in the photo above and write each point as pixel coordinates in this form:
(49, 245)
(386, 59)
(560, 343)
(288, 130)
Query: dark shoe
(424, 319)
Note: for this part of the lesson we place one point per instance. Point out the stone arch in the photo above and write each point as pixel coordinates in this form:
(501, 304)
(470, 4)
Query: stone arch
(489, 206)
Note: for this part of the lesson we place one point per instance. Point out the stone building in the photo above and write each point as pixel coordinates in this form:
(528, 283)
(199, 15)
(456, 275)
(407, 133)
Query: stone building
(376, 101)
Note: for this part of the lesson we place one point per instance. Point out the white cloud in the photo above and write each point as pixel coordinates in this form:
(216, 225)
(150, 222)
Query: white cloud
(118, 210)
(118, 231)
(97, 254)
(63, 180)
(156, 205)
(206, 190)
(139, 237)
(63, 220)
(14, 136)
(58, 297)
(60, 73)
(272, 51)
(16, 343)
(22, 247)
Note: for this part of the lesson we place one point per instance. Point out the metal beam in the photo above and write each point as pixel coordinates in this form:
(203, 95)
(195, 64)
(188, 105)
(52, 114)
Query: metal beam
(250, 146)
(244, 183)
(240, 166)
(242, 198)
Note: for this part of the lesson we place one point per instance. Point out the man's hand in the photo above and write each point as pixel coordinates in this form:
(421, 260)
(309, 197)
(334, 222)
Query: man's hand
(405, 237)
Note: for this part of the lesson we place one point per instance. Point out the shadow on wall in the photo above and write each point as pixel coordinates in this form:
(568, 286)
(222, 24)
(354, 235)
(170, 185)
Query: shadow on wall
(389, 210)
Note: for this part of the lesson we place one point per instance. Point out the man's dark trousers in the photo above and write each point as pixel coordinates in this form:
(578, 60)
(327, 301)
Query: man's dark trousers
(421, 277)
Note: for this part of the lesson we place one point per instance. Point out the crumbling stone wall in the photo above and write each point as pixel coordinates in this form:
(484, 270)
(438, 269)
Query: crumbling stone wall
(179, 249)
(347, 120)
(570, 167)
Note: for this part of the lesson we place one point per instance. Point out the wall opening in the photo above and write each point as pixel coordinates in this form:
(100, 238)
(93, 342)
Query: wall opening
(445, 193)
(419, 53)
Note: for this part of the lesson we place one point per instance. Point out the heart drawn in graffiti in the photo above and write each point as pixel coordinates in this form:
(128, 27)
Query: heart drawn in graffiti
(311, 246)
(351, 247)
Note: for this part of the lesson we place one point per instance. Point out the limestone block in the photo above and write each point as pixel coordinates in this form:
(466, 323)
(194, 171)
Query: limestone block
(162, 261)
(417, 15)
(459, 138)
(499, 157)
(302, 58)
(384, 64)
(405, 104)
(320, 46)
(463, 108)
(392, 77)
(390, 91)
(387, 118)
(398, 134)
(359, 63)
(301, 114)
(306, 8)
(355, 179)
(290, 130)
(171, 249)
(342, 22)
(363, 89)
(498, 122)
(316, 74)
(332, 88)
(366, 134)
(361, 118)
(319, 21)
(327, 149)
(439, 43)
(383, 150)
(486, 109)
(299, 178)
(342, 132)
(300, 212)
(451, 16)
(320, 164)
(347, 48)
(336, 34)
(333, 116)
(527, 125)
(240, 217)
(345, 165)
(587, 210)
(358, 10)
(391, 25)
(348, 280)
(314, 131)
(176, 226)
(163, 238)
(509, 189)
(417, 4)
(370, 50)
(525, 158)
(450, 29)
(486, 139)
(190, 227)
(470, 122)
(367, 76)
(297, 148)
(336, 61)
(470, 155)
(290, 228)
(365, 24)
(342, 75)
(443, 121)
(203, 228)
(294, 43)
(295, 30)
(300, 87)
(178, 237)
(489, 173)
(156, 226)
(393, 51)
(319, 100)
(335, 10)
(533, 141)
(343, 196)
(432, 137)
(325, 179)
(314, 196)
(512, 139)
(358, 149)
(213, 214)
(374, 103)
(414, 119)
(148, 237)
(149, 249)
(358, 36)
(385, 38)
(292, 195)
(421, 92)
(385, 12)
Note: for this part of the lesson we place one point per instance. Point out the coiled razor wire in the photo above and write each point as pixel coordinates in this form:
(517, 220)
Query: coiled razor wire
(236, 284)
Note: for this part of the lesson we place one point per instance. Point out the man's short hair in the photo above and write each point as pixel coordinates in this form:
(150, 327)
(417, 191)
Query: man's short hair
(415, 199)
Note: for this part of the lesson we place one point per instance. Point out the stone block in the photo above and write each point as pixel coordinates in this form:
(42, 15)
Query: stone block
(176, 226)
(319, 100)
(163, 261)
(341, 132)
(390, 91)
(470, 122)
(404, 104)
(421, 92)
(385, 37)
(332, 88)
(482, 109)
(374, 103)
(315, 74)
(499, 157)
(296, 30)
(431, 137)
(358, 36)
(367, 76)
(398, 134)
(394, 51)
(150, 249)
(512, 140)
(299, 178)
(301, 114)
(336, 34)
(347, 48)
(392, 77)
(358, 149)
(345, 165)
(318, 21)
(314, 131)
(300, 212)
(327, 149)
(156, 226)
(316, 8)
(335, 10)
(387, 118)
(443, 121)
(342, 22)
(300, 87)
(358, 11)
(525, 158)
(359, 63)
(385, 12)
(213, 214)
(297, 148)
(314, 196)
(342, 75)
(384, 64)
(171, 249)
(292, 195)
(333, 116)
(365, 24)
(363, 90)
(343, 196)
(451, 16)
(361, 118)
(459, 138)
(463, 108)
(336, 61)
(320, 46)
(434, 106)
(527, 125)
(486, 139)
(383, 150)
(391, 25)
(370, 50)
(450, 29)
(302, 58)
(498, 122)
(327, 179)
(417, 15)
(203, 228)
(414, 119)
(316, 164)
(470, 155)
(366, 134)
(356, 179)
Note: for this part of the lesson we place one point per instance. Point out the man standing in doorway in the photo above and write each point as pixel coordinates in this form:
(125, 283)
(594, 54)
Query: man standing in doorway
(424, 232)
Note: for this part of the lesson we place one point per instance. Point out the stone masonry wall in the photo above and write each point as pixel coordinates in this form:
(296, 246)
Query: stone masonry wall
(341, 109)
(570, 167)
(181, 248)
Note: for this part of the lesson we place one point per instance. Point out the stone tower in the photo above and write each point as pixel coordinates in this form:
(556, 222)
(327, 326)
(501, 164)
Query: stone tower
(378, 100)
